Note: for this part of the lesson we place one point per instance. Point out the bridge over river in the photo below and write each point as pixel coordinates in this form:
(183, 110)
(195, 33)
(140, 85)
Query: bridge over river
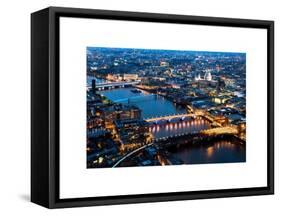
(111, 85)
(189, 125)
(212, 132)
(181, 116)
(135, 98)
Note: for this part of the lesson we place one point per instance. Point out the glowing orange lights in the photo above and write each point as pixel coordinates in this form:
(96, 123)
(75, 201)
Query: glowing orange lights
(210, 151)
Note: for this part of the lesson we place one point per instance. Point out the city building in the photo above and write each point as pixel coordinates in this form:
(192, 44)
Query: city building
(133, 131)
(164, 63)
(115, 112)
(130, 77)
(207, 76)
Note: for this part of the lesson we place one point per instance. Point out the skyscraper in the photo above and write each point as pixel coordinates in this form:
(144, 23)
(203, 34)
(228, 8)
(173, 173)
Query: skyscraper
(94, 86)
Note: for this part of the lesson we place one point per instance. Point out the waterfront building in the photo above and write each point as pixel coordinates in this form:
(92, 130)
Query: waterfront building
(129, 112)
(130, 77)
(202, 104)
(114, 77)
(115, 112)
(133, 131)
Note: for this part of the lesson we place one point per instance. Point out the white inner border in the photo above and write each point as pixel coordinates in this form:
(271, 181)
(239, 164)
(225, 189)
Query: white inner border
(77, 181)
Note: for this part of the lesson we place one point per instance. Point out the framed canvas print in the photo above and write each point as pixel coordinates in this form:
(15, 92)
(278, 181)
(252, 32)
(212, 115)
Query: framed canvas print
(132, 107)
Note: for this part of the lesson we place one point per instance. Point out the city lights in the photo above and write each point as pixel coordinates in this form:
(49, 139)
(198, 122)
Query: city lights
(164, 107)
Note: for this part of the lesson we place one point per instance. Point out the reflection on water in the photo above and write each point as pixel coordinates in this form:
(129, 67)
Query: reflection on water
(178, 128)
(217, 152)
(150, 106)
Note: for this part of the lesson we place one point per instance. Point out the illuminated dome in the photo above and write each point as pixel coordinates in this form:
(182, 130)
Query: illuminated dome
(208, 75)
(198, 77)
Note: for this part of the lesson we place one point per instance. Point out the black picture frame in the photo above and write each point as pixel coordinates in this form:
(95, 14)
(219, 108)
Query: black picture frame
(45, 106)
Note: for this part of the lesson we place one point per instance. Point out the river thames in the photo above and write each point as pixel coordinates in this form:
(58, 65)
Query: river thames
(151, 105)
(222, 151)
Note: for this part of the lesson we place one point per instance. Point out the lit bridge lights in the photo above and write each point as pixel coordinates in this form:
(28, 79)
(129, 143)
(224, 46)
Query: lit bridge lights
(220, 131)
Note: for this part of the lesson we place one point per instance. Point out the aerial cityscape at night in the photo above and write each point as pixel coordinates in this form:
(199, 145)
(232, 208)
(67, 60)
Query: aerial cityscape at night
(148, 107)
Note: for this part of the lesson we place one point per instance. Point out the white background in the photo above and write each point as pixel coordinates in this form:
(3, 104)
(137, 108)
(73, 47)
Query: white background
(77, 181)
(15, 107)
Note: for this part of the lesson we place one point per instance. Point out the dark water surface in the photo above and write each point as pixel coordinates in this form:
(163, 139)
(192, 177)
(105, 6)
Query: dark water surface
(217, 152)
(152, 106)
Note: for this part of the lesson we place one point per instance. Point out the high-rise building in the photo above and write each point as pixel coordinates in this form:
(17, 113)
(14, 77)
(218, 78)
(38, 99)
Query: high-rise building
(94, 86)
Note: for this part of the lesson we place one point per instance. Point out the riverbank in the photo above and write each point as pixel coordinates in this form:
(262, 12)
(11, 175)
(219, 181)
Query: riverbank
(154, 91)
(198, 139)
(220, 149)
(150, 106)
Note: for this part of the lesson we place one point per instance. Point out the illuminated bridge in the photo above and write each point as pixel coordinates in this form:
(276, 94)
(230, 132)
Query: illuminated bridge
(109, 85)
(203, 133)
(230, 130)
(220, 131)
(136, 98)
(170, 117)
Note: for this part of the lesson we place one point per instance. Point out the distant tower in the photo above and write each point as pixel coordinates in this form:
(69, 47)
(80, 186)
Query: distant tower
(208, 76)
(94, 86)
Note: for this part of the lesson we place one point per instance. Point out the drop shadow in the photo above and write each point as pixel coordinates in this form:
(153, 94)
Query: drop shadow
(25, 197)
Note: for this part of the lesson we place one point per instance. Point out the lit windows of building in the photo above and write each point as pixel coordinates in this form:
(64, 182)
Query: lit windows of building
(130, 77)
